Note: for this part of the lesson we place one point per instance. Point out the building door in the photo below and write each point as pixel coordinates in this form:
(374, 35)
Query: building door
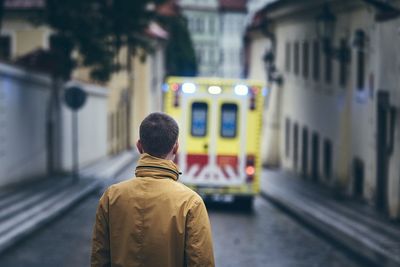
(382, 155)
(295, 145)
(315, 157)
(358, 178)
(304, 156)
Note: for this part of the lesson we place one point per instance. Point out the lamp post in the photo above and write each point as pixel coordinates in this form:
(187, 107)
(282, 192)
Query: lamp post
(325, 23)
(273, 74)
(325, 27)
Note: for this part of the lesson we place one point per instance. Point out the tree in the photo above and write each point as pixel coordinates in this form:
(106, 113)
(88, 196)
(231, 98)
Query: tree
(98, 29)
(180, 54)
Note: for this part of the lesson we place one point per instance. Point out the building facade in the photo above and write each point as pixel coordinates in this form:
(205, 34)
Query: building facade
(232, 20)
(217, 27)
(204, 23)
(339, 99)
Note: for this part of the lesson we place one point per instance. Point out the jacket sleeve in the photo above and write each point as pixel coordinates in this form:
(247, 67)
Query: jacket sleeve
(101, 243)
(198, 243)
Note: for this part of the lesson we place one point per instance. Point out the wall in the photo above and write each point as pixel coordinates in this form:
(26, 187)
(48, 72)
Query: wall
(148, 80)
(338, 113)
(388, 35)
(270, 148)
(25, 37)
(309, 104)
(23, 102)
(92, 126)
(258, 47)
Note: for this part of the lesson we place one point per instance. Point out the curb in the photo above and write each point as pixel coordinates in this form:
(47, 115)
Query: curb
(342, 235)
(39, 221)
(59, 208)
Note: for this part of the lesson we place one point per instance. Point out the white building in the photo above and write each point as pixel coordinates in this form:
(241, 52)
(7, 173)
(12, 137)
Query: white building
(232, 20)
(203, 23)
(216, 28)
(338, 103)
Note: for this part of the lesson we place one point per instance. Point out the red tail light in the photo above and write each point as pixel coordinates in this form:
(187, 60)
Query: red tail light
(250, 168)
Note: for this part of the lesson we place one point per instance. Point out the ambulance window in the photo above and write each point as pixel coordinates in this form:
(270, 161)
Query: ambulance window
(199, 119)
(229, 120)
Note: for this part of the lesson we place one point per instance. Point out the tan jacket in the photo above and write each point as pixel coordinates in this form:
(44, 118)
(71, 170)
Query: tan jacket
(152, 220)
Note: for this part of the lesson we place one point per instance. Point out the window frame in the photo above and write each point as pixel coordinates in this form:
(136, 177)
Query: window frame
(296, 54)
(316, 60)
(306, 59)
(236, 120)
(206, 119)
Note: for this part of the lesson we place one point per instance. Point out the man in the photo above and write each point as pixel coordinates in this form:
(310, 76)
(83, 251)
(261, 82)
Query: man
(153, 220)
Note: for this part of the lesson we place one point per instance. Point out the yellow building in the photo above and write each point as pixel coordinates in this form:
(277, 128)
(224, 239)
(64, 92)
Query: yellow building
(134, 91)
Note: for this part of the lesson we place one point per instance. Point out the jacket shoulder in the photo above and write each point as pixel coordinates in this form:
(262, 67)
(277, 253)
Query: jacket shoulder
(190, 192)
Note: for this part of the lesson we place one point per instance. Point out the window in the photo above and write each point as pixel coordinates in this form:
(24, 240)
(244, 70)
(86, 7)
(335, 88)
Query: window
(5, 47)
(306, 56)
(211, 55)
(200, 54)
(296, 58)
(360, 69)
(295, 144)
(328, 65)
(199, 25)
(315, 156)
(327, 159)
(342, 65)
(287, 137)
(199, 119)
(316, 60)
(229, 120)
(304, 158)
(212, 25)
(191, 25)
(288, 57)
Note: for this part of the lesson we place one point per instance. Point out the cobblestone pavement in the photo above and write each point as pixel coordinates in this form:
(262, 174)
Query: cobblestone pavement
(265, 237)
(269, 237)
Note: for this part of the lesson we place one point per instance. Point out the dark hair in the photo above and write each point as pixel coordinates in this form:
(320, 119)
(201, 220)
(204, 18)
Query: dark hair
(158, 134)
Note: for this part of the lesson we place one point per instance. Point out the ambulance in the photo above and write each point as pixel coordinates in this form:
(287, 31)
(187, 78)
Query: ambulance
(220, 123)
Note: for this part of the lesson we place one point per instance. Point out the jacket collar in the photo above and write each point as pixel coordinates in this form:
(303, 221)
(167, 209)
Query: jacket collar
(149, 166)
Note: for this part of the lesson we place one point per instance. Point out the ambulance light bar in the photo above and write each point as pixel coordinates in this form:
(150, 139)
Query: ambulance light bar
(175, 87)
(188, 88)
(241, 89)
(265, 91)
(214, 90)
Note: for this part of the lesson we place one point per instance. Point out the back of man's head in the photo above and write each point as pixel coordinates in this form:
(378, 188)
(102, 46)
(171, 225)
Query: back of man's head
(158, 134)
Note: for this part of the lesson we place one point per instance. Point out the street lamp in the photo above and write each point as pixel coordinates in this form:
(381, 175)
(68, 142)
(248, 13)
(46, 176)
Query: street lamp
(325, 26)
(359, 39)
(325, 30)
(271, 70)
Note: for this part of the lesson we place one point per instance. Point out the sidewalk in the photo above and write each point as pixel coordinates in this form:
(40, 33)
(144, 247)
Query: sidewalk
(354, 225)
(27, 207)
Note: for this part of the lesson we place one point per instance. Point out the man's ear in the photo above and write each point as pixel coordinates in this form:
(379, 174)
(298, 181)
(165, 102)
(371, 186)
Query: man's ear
(175, 149)
(139, 146)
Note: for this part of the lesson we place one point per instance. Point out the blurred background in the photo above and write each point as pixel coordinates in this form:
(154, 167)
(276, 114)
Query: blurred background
(330, 149)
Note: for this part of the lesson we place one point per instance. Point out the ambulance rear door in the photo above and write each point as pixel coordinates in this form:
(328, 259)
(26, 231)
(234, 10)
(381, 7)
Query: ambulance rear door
(213, 137)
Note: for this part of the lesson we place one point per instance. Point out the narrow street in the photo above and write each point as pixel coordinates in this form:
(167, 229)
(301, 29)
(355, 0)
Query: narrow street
(265, 237)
